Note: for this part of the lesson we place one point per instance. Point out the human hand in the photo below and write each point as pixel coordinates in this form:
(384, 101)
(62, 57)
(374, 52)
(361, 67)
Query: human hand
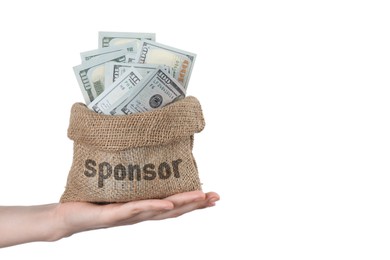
(74, 217)
(23, 224)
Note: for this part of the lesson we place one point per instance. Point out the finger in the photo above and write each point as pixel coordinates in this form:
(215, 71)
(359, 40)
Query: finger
(146, 205)
(172, 206)
(208, 201)
(186, 197)
(115, 214)
(212, 197)
(144, 216)
(178, 211)
(184, 202)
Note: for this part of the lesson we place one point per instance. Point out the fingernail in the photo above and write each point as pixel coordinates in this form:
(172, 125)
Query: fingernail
(211, 204)
(213, 200)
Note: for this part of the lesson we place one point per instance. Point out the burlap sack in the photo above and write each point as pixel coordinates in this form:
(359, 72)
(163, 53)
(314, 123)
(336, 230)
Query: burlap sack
(133, 157)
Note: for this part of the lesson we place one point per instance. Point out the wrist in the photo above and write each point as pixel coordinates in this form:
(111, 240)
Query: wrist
(57, 227)
(68, 219)
(51, 229)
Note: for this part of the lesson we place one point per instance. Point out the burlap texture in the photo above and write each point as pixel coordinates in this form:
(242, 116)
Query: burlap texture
(133, 157)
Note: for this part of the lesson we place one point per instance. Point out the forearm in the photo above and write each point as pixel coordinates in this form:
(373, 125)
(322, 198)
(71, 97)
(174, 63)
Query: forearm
(22, 224)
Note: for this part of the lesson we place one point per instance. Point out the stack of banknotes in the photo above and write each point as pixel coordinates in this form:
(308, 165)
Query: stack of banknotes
(132, 73)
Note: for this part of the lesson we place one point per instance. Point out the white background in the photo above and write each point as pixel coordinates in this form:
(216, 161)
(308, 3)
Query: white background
(297, 137)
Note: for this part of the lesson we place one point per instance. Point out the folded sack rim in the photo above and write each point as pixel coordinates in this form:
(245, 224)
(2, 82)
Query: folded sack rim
(177, 120)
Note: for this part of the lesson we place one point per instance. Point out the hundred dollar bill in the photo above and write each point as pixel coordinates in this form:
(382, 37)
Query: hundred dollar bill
(107, 39)
(155, 91)
(116, 92)
(114, 70)
(86, 56)
(90, 74)
(130, 57)
(181, 62)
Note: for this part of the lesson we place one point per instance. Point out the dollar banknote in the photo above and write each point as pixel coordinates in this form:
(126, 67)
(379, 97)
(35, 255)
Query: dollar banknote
(181, 62)
(115, 93)
(90, 74)
(107, 39)
(114, 70)
(129, 47)
(131, 73)
(130, 57)
(155, 91)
